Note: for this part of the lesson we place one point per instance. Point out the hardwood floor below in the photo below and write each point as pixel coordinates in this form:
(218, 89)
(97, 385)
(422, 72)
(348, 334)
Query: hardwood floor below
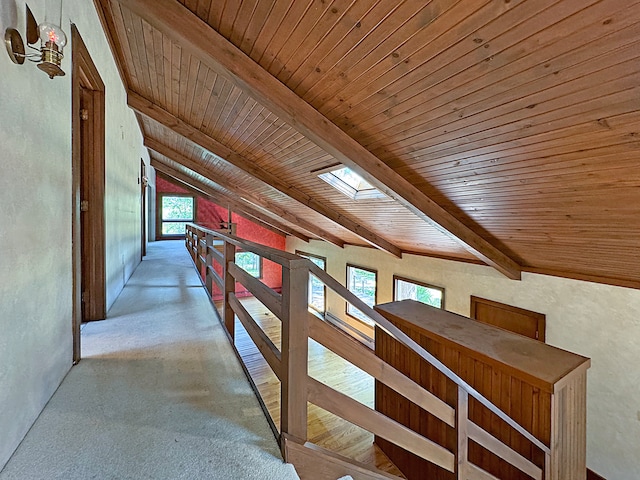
(324, 429)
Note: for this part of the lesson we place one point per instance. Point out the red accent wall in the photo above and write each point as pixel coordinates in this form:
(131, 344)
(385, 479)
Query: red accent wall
(209, 214)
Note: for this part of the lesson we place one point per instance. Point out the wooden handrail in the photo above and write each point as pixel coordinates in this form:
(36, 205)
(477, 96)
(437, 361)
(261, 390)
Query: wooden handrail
(408, 342)
(277, 256)
(362, 357)
(297, 330)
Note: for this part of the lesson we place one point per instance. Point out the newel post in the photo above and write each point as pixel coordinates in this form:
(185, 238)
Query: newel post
(295, 333)
(462, 416)
(229, 288)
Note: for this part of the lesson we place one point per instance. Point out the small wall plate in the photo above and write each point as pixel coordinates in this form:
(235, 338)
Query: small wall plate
(15, 45)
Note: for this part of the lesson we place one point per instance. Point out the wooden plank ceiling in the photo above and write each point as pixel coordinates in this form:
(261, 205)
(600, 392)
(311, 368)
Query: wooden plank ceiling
(503, 131)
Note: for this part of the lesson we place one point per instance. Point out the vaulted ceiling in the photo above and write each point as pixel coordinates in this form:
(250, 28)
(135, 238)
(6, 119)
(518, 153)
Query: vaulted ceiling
(505, 132)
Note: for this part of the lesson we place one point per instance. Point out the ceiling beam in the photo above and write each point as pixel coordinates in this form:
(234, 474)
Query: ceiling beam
(146, 107)
(246, 211)
(218, 201)
(179, 23)
(259, 201)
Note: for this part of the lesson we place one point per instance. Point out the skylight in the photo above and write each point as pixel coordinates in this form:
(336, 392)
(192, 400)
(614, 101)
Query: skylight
(350, 183)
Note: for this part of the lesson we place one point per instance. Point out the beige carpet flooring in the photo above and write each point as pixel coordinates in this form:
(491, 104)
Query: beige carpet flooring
(158, 394)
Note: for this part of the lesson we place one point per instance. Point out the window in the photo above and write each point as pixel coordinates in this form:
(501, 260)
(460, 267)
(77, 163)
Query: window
(176, 211)
(316, 287)
(404, 289)
(250, 263)
(362, 282)
(350, 183)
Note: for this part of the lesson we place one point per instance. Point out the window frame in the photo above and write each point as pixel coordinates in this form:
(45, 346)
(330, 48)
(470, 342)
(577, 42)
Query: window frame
(161, 220)
(420, 284)
(327, 175)
(324, 287)
(375, 295)
(260, 264)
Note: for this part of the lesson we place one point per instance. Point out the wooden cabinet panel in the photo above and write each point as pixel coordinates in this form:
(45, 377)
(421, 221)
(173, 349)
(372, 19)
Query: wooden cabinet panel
(518, 320)
(525, 378)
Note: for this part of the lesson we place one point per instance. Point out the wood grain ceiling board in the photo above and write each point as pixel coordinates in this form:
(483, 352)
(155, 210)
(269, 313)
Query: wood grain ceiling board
(506, 115)
(385, 218)
(257, 201)
(222, 173)
(218, 53)
(520, 116)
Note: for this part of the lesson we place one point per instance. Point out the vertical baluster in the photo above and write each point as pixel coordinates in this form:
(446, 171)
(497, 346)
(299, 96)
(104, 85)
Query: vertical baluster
(229, 288)
(295, 332)
(208, 278)
(548, 475)
(462, 417)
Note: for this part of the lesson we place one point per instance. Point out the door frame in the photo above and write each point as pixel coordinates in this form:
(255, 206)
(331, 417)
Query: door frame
(85, 76)
(143, 208)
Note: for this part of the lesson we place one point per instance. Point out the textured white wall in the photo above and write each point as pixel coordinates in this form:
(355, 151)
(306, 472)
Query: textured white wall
(35, 218)
(598, 321)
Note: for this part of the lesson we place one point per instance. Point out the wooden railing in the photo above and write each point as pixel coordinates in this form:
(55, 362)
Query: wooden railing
(290, 365)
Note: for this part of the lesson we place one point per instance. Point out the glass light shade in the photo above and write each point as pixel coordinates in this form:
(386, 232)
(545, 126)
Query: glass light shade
(49, 32)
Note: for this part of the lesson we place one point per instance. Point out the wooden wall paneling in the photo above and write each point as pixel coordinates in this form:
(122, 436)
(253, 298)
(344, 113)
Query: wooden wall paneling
(204, 89)
(260, 201)
(121, 55)
(247, 33)
(521, 149)
(257, 125)
(365, 34)
(229, 14)
(544, 125)
(572, 99)
(403, 32)
(503, 49)
(231, 157)
(137, 43)
(327, 30)
(152, 55)
(526, 398)
(280, 36)
(515, 319)
(456, 21)
(307, 120)
(506, 88)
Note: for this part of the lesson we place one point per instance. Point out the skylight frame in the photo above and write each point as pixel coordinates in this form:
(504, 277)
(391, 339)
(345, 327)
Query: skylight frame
(329, 176)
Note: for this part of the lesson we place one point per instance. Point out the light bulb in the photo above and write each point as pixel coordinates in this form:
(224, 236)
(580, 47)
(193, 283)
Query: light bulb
(52, 33)
(52, 41)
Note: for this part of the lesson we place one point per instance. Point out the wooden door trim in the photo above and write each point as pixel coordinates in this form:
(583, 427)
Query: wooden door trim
(85, 75)
(143, 208)
(540, 317)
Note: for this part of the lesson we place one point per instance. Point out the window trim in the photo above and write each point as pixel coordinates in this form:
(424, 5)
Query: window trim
(327, 175)
(324, 295)
(260, 266)
(160, 220)
(419, 283)
(375, 295)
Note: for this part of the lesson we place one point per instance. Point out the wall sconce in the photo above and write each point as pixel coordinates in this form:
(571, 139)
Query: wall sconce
(52, 42)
